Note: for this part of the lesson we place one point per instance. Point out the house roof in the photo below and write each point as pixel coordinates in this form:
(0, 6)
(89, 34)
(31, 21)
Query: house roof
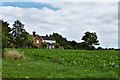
(47, 38)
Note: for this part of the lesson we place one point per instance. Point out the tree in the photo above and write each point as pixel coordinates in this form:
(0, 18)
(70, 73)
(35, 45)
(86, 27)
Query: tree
(77, 46)
(57, 45)
(81, 46)
(99, 48)
(59, 39)
(73, 43)
(29, 41)
(5, 34)
(68, 46)
(90, 38)
(19, 35)
(44, 45)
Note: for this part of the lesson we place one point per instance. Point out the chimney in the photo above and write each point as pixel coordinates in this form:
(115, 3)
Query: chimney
(34, 33)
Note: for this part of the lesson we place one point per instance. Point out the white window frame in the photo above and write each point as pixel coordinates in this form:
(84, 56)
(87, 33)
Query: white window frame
(37, 41)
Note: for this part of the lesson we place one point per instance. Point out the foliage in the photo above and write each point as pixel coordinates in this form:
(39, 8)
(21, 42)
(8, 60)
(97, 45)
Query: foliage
(13, 54)
(73, 43)
(59, 39)
(5, 33)
(44, 45)
(19, 38)
(99, 48)
(90, 38)
(68, 47)
(44, 63)
(29, 41)
(57, 45)
(19, 35)
(82, 46)
(15, 36)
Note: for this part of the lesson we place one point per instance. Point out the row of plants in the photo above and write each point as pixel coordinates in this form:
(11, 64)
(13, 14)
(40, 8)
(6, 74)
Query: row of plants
(89, 59)
(60, 63)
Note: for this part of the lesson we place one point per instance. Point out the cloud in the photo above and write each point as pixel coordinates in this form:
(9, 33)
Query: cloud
(28, 5)
(72, 20)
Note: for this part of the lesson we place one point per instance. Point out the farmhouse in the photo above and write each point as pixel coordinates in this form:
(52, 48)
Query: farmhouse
(39, 40)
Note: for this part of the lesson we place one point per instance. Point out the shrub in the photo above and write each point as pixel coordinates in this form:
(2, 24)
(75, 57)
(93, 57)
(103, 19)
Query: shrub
(68, 47)
(13, 54)
(57, 45)
(99, 48)
(44, 45)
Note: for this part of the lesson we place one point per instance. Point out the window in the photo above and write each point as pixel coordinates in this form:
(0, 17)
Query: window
(37, 41)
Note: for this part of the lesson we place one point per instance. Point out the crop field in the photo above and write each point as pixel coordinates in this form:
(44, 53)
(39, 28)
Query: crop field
(55, 63)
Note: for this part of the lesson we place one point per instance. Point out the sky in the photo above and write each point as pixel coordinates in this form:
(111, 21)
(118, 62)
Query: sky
(70, 19)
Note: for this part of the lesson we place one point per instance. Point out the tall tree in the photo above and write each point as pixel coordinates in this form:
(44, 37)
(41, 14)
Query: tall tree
(5, 33)
(73, 43)
(62, 41)
(19, 35)
(90, 38)
(29, 41)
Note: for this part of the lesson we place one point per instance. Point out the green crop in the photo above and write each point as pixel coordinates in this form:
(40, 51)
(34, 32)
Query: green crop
(55, 63)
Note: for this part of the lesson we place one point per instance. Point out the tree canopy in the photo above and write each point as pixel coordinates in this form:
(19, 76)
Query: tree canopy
(90, 38)
(17, 36)
(5, 34)
(18, 33)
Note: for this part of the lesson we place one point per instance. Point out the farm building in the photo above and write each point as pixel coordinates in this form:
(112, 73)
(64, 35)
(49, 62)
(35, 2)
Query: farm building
(39, 40)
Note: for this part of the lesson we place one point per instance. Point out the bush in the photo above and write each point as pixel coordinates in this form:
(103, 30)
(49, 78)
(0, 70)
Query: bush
(44, 45)
(57, 45)
(99, 48)
(13, 54)
(68, 47)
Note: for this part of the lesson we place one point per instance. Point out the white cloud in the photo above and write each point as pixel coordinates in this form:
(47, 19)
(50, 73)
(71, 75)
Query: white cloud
(72, 20)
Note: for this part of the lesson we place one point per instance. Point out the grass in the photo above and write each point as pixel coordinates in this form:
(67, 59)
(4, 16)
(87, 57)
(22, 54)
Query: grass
(44, 63)
(13, 54)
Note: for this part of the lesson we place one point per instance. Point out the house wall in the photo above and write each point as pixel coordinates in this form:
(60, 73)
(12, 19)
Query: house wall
(49, 41)
(39, 40)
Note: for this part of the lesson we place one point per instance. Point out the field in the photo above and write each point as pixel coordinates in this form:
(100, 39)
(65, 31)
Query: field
(44, 63)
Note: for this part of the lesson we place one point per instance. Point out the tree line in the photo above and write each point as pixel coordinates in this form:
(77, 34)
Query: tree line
(18, 37)
(89, 41)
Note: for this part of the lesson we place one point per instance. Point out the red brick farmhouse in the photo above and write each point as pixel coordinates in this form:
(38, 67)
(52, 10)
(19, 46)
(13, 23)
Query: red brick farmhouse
(39, 40)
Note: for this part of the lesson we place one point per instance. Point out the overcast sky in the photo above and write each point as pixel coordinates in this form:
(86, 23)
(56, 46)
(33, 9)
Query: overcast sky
(70, 19)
